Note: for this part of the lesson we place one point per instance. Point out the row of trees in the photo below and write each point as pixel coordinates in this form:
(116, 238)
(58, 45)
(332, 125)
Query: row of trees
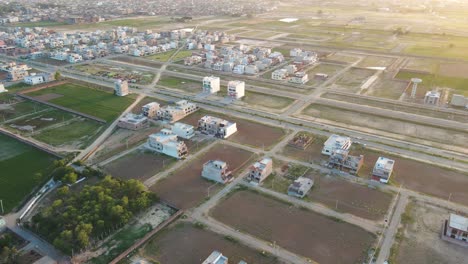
(76, 219)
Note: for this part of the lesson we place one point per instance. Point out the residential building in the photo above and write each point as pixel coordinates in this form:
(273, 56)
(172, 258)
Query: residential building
(295, 52)
(133, 122)
(301, 141)
(251, 69)
(291, 69)
(150, 110)
(179, 110)
(167, 143)
(16, 72)
(2, 88)
(335, 142)
(299, 78)
(183, 130)
(239, 69)
(217, 170)
(260, 170)
(216, 126)
(74, 58)
(456, 229)
(121, 87)
(236, 89)
(459, 100)
(342, 160)
(279, 75)
(432, 97)
(216, 258)
(383, 169)
(38, 78)
(211, 84)
(300, 187)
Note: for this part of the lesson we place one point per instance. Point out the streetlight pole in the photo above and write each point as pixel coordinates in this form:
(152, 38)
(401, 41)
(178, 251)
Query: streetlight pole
(1, 204)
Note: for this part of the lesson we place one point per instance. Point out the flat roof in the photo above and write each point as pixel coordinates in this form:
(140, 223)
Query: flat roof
(459, 222)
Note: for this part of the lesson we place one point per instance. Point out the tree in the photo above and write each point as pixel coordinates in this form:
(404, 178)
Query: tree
(70, 178)
(63, 191)
(58, 75)
(38, 177)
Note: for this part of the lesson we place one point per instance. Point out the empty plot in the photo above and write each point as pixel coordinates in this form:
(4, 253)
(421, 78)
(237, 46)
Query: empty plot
(197, 245)
(342, 58)
(185, 85)
(330, 69)
(307, 233)
(376, 61)
(185, 188)
(353, 79)
(391, 89)
(137, 61)
(266, 101)
(417, 64)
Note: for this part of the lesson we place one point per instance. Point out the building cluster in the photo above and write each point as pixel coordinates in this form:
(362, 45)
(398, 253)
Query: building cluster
(207, 40)
(15, 72)
(212, 85)
(216, 126)
(294, 72)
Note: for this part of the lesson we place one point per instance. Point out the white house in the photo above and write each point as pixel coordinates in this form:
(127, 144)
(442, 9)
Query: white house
(299, 78)
(236, 89)
(300, 187)
(2, 88)
(335, 142)
(166, 142)
(34, 78)
(239, 69)
(211, 84)
(216, 258)
(383, 169)
(279, 75)
(456, 228)
(216, 126)
(260, 170)
(217, 170)
(74, 58)
(459, 100)
(432, 98)
(183, 130)
(121, 87)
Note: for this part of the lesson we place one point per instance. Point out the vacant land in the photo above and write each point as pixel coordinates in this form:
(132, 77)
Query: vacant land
(140, 164)
(417, 64)
(185, 85)
(137, 61)
(353, 79)
(327, 68)
(342, 58)
(40, 120)
(116, 72)
(431, 81)
(185, 188)
(18, 165)
(313, 153)
(13, 107)
(165, 56)
(385, 88)
(165, 247)
(247, 131)
(376, 61)
(268, 102)
(86, 100)
(297, 230)
(418, 240)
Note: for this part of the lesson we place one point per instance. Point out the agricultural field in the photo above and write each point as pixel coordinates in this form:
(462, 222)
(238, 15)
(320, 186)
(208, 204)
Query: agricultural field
(165, 247)
(90, 101)
(418, 240)
(139, 22)
(36, 122)
(298, 230)
(184, 85)
(40, 24)
(165, 56)
(247, 131)
(18, 180)
(267, 102)
(406, 128)
(116, 72)
(352, 80)
(185, 188)
(12, 107)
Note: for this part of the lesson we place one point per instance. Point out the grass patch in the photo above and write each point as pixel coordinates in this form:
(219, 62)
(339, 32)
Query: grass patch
(186, 85)
(39, 24)
(267, 100)
(165, 56)
(431, 81)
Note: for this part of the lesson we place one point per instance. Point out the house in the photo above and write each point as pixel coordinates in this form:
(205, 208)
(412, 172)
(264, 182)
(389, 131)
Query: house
(74, 58)
(2, 88)
(216, 258)
(432, 98)
(239, 69)
(260, 170)
(299, 78)
(455, 230)
(216, 126)
(166, 142)
(183, 130)
(121, 87)
(236, 89)
(459, 100)
(291, 69)
(342, 160)
(211, 84)
(133, 122)
(295, 52)
(251, 69)
(150, 110)
(216, 170)
(335, 142)
(179, 110)
(300, 187)
(34, 78)
(279, 75)
(383, 169)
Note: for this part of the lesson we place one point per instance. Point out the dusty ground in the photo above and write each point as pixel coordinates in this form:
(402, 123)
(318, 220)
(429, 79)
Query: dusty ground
(421, 241)
(185, 188)
(297, 230)
(313, 153)
(248, 132)
(184, 243)
(422, 177)
(48, 97)
(454, 69)
(132, 60)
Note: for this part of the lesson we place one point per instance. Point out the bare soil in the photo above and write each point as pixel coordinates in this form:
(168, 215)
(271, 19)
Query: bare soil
(48, 97)
(196, 245)
(454, 69)
(307, 233)
(185, 188)
(129, 59)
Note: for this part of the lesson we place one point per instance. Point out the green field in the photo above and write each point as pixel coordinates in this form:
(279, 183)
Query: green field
(267, 100)
(89, 101)
(39, 24)
(186, 85)
(18, 164)
(165, 56)
(431, 81)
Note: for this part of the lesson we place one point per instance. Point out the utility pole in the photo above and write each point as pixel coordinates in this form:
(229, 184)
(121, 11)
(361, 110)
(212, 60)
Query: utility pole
(1, 204)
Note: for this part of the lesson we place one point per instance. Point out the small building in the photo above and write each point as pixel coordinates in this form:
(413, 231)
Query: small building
(383, 169)
(342, 160)
(216, 126)
(39, 78)
(279, 75)
(211, 84)
(121, 87)
(260, 170)
(179, 110)
(166, 142)
(2, 88)
(459, 100)
(216, 258)
(301, 141)
(300, 187)
(133, 122)
(321, 76)
(217, 170)
(236, 89)
(299, 78)
(456, 229)
(183, 130)
(335, 142)
(432, 98)
(150, 110)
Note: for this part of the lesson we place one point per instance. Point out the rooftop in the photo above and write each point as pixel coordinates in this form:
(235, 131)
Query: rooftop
(459, 222)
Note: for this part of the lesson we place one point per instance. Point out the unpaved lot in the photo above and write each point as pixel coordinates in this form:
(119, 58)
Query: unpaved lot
(421, 242)
(307, 233)
(454, 69)
(185, 188)
(183, 243)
